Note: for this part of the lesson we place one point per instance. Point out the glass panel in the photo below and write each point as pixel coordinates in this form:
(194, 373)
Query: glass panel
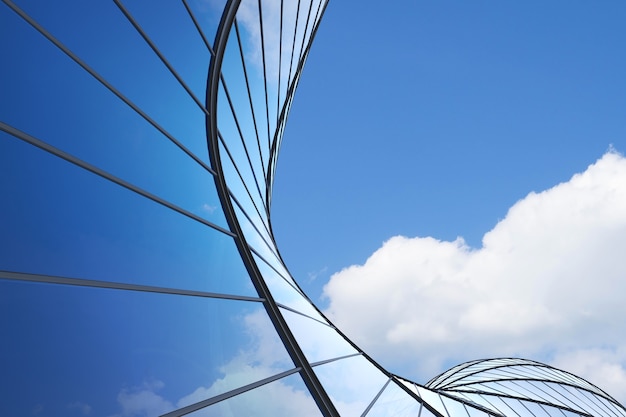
(474, 399)
(109, 44)
(236, 81)
(318, 341)
(243, 156)
(433, 399)
(351, 383)
(68, 349)
(256, 235)
(170, 28)
(60, 219)
(208, 15)
(247, 195)
(454, 408)
(67, 108)
(394, 401)
(287, 397)
(286, 294)
(249, 30)
(475, 412)
(536, 410)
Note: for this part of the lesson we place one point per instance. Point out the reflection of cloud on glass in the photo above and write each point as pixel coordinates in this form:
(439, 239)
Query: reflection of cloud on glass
(264, 355)
(207, 208)
(37, 409)
(248, 15)
(143, 401)
(84, 409)
(312, 276)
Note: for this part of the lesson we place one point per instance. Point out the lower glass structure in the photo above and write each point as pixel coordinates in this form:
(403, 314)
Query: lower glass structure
(139, 275)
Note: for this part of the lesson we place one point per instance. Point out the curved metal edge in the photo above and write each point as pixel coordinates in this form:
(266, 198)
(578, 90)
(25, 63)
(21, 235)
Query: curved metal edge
(315, 387)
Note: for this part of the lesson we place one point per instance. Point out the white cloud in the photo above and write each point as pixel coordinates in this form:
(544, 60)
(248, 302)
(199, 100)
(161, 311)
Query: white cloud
(143, 401)
(548, 279)
(81, 407)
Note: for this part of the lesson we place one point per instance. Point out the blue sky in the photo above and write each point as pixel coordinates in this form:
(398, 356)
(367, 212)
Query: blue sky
(431, 120)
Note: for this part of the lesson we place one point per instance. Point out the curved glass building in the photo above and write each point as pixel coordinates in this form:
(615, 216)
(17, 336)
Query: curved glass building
(139, 275)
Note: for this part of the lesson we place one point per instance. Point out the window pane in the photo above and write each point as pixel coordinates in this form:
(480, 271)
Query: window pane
(112, 47)
(318, 341)
(63, 220)
(351, 383)
(69, 109)
(395, 402)
(286, 397)
(67, 349)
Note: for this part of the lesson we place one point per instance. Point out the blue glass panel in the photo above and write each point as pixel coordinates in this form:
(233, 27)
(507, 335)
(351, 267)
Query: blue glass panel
(318, 341)
(351, 383)
(173, 32)
(251, 121)
(69, 109)
(208, 15)
(286, 397)
(109, 44)
(67, 350)
(432, 399)
(394, 401)
(59, 219)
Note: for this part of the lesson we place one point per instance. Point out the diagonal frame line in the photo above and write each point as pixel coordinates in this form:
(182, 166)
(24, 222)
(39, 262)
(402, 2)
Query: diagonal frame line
(81, 282)
(156, 50)
(229, 394)
(104, 174)
(104, 82)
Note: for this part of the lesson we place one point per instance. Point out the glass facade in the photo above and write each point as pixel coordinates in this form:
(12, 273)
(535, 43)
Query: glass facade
(138, 270)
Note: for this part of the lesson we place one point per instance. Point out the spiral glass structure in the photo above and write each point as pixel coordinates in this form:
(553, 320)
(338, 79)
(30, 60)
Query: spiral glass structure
(139, 275)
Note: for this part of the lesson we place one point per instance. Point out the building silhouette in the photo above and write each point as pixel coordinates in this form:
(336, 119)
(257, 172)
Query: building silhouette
(139, 275)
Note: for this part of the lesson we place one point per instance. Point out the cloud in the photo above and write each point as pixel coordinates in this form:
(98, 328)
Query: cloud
(548, 279)
(83, 408)
(248, 15)
(143, 401)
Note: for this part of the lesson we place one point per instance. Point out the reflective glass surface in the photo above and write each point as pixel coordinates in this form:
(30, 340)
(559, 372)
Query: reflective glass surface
(394, 401)
(318, 341)
(285, 397)
(63, 220)
(68, 349)
(352, 383)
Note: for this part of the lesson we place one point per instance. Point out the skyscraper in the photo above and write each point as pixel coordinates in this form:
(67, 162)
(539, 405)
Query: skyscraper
(139, 273)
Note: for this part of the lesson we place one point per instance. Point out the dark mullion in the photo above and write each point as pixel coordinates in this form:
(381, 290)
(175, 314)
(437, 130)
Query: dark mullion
(564, 399)
(245, 74)
(285, 112)
(503, 402)
(106, 175)
(293, 310)
(198, 28)
(316, 20)
(280, 63)
(466, 402)
(293, 45)
(253, 250)
(243, 142)
(160, 55)
(267, 107)
(579, 395)
(105, 83)
(269, 246)
(81, 282)
(309, 377)
(230, 156)
(306, 26)
(229, 394)
(325, 361)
